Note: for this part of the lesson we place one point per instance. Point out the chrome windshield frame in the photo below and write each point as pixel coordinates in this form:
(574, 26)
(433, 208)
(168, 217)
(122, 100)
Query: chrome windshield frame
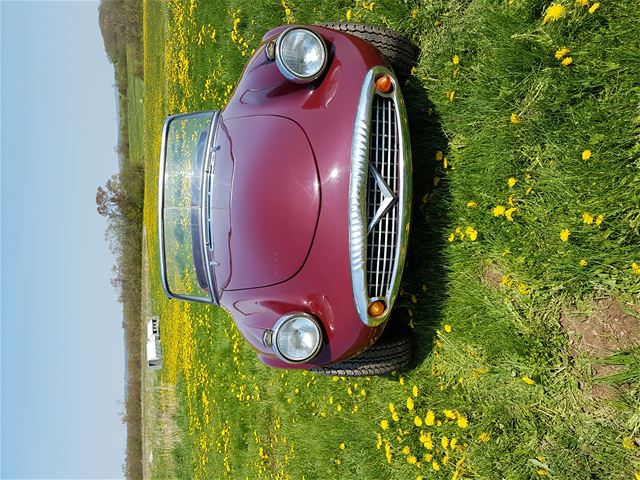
(213, 297)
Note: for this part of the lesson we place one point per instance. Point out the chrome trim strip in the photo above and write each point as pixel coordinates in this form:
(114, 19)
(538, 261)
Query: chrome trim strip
(358, 225)
(163, 265)
(276, 328)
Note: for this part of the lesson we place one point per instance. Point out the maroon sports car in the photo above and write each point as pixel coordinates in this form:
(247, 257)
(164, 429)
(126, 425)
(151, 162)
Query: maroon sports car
(290, 207)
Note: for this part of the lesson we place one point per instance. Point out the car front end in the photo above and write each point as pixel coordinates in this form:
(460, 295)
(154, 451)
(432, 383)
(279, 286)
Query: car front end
(303, 206)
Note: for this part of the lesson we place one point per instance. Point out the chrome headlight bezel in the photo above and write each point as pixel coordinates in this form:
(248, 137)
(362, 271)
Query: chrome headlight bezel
(292, 317)
(285, 70)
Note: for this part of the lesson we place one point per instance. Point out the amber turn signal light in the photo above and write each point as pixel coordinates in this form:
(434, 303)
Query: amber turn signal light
(376, 308)
(384, 83)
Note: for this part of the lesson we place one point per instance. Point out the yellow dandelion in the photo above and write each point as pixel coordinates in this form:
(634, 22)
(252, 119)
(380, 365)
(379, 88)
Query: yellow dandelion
(454, 442)
(636, 475)
(409, 403)
(415, 391)
(509, 213)
(561, 52)
(472, 204)
(444, 441)
(510, 201)
(455, 60)
(342, 446)
(447, 328)
(635, 268)
(451, 237)
(430, 419)
(449, 414)
(586, 154)
(338, 461)
(529, 190)
(528, 380)
(414, 12)
(472, 233)
(594, 7)
(523, 289)
(462, 423)
(554, 12)
(392, 407)
(584, 262)
(498, 211)
(384, 424)
(445, 163)
(511, 182)
(566, 61)
(483, 437)
(584, 3)
(348, 14)
(587, 218)
(564, 234)
(418, 421)
(406, 450)
(435, 466)
(411, 460)
(515, 119)
(543, 472)
(436, 181)
(599, 219)
(451, 95)
(628, 443)
(395, 417)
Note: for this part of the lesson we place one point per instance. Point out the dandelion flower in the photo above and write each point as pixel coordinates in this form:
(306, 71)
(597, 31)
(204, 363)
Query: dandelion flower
(566, 61)
(515, 119)
(472, 233)
(528, 380)
(342, 446)
(599, 219)
(414, 12)
(509, 213)
(411, 460)
(418, 421)
(430, 419)
(483, 437)
(564, 234)
(586, 154)
(439, 156)
(511, 182)
(392, 407)
(543, 472)
(472, 204)
(635, 268)
(384, 424)
(435, 466)
(454, 442)
(587, 218)
(584, 262)
(451, 95)
(498, 211)
(348, 15)
(462, 423)
(409, 403)
(449, 414)
(523, 289)
(436, 181)
(561, 52)
(444, 441)
(447, 328)
(594, 7)
(554, 12)
(455, 60)
(584, 3)
(395, 417)
(406, 450)
(415, 391)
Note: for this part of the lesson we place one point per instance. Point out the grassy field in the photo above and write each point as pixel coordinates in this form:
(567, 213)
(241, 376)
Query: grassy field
(135, 93)
(523, 278)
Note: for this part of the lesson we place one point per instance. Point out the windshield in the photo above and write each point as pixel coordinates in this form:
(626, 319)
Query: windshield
(182, 249)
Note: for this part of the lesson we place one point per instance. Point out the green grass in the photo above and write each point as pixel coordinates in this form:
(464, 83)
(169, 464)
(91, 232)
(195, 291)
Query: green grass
(502, 294)
(135, 91)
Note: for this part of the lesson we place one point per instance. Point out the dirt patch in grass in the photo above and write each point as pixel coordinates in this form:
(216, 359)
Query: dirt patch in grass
(606, 330)
(492, 275)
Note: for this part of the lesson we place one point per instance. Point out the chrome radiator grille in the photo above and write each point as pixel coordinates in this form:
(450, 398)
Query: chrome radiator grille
(382, 196)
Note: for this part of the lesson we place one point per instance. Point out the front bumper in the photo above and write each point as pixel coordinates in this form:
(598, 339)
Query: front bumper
(379, 197)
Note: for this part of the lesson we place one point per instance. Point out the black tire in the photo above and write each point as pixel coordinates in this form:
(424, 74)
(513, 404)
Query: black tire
(385, 356)
(399, 51)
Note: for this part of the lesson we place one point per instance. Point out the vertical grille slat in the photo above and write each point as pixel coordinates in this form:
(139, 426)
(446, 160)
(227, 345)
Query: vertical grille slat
(383, 157)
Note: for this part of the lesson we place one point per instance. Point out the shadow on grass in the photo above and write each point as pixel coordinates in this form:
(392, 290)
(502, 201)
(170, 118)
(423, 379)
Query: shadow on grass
(425, 280)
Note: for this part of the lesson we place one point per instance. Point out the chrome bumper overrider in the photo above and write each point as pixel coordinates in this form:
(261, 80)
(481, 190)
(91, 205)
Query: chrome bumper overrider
(379, 196)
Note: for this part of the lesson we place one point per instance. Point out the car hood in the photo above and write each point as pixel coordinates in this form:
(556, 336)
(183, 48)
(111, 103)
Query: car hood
(265, 201)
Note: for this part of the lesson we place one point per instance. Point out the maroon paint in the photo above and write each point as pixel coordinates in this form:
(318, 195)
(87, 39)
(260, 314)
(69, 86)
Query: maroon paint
(281, 208)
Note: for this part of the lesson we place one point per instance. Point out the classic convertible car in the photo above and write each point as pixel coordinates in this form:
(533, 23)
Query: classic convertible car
(290, 207)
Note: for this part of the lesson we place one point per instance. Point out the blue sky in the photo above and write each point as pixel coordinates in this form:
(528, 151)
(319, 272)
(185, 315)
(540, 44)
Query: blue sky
(62, 341)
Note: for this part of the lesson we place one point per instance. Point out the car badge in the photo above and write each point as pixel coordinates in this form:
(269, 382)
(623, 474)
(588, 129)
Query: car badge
(388, 198)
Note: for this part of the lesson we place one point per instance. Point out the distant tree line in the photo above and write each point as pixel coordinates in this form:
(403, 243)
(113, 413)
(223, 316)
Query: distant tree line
(120, 201)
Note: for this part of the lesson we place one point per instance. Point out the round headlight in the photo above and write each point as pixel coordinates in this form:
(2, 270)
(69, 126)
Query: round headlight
(296, 338)
(301, 55)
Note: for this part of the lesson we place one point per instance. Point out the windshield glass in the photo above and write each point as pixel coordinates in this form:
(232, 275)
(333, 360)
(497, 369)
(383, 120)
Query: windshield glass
(181, 228)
